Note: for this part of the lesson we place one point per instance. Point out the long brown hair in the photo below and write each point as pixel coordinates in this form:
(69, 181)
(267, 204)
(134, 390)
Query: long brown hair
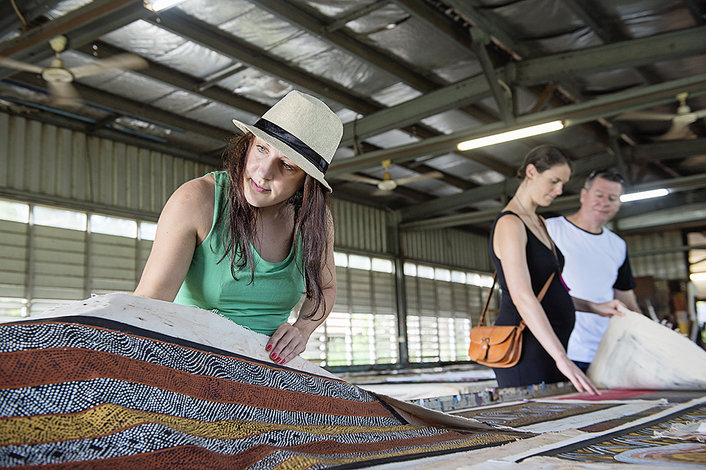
(311, 222)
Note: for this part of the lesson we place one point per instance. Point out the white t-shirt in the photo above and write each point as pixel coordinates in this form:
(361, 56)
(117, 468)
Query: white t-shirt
(595, 264)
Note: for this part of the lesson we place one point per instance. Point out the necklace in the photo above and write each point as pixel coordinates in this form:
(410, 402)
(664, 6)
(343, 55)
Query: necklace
(541, 231)
(528, 214)
(533, 221)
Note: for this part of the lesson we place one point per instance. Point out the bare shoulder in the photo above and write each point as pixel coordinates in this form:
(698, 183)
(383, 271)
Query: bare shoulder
(509, 223)
(192, 205)
(509, 238)
(196, 191)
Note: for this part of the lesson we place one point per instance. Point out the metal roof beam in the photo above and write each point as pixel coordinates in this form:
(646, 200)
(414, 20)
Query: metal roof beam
(663, 150)
(561, 203)
(342, 40)
(180, 80)
(444, 24)
(666, 150)
(491, 25)
(137, 109)
(447, 178)
(493, 191)
(477, 217)
(696, 8)
(480, 40)
(355, 14)
(212, 37)
(674, 211)
(589, 19)
(215, 39)
(622, 54)
(30, 11)
(533, 71)
(437, 20)
(606, 35)
(364, 52)
(573, 114)
(451, 97)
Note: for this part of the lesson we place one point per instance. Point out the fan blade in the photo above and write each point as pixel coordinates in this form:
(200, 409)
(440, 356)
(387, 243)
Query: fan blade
(678, 131)
(15, 64)
(382, 192)
(644, 116)
(424, 176)
(700, 114)
(685, 119)
(355, 178)
(63, 94)
(120, 61)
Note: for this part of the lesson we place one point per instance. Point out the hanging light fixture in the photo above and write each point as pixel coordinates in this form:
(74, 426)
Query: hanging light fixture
(511, 135)
(644, 195)
(159, 5)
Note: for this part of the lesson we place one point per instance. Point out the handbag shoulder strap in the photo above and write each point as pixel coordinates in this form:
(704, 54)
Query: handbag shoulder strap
(487, 299)
(540, 295)
(542, 291)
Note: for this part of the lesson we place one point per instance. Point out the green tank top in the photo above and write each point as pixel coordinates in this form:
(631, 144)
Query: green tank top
(261, 306)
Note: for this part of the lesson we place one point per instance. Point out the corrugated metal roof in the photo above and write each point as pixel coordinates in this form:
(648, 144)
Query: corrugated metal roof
(401, 74)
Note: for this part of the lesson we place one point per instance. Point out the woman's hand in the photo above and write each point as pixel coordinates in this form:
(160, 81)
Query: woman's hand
(608, 309)
(576, 376)
(286, 343)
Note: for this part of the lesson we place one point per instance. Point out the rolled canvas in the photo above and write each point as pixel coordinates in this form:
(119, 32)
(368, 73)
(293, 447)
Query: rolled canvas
(638, 353)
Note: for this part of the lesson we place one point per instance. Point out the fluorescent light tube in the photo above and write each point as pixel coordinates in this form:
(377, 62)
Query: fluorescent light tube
(158, 5)
(511, 135)
(644, 195)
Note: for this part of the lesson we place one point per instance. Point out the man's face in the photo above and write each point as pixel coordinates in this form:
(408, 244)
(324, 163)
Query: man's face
(602, 200)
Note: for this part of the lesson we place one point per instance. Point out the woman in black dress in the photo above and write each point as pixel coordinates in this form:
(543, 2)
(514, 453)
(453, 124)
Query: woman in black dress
(524, 257)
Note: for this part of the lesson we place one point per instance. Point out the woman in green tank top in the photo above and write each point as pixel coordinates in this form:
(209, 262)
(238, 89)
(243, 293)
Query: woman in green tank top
(250, 241)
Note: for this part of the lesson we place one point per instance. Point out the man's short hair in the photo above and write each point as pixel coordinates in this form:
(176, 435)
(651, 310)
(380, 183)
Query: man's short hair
(606, 174)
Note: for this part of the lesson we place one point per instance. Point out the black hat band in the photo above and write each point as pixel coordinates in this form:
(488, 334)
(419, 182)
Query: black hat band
(293, 141)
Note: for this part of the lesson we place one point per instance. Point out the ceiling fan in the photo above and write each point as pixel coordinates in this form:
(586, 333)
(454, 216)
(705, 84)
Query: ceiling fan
(680, 121)
(387, 184)
(59, 78)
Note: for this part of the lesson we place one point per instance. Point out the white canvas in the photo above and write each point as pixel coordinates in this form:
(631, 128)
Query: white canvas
(638, 353)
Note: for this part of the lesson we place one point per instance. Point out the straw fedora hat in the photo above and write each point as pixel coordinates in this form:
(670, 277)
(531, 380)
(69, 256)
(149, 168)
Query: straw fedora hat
(304, 129)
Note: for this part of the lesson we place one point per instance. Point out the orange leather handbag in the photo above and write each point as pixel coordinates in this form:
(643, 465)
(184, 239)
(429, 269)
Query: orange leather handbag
(498, 346)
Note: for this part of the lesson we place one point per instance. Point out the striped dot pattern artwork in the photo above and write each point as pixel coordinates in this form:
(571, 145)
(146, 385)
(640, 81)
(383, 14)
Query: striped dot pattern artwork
(86, 392)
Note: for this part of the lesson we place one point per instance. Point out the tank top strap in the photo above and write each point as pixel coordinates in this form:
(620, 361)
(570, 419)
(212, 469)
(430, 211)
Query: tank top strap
(504, 213)
(220, 200)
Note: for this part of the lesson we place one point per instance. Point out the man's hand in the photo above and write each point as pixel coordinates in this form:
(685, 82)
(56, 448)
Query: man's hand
(608, 309)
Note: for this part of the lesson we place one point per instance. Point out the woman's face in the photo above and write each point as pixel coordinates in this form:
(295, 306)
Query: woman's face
(549, 184)
(270, 178)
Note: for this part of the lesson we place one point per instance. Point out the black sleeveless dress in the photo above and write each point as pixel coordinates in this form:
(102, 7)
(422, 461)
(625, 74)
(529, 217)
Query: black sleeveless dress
(535, 366)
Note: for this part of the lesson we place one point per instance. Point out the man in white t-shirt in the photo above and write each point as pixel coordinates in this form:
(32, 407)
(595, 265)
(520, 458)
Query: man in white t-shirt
(596, 266)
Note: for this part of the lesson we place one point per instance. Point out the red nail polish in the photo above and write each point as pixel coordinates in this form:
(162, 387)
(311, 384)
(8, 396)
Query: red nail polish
(269, 346)
(274, 357)
(281, 360)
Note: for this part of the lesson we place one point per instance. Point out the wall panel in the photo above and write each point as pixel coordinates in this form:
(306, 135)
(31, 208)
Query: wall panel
(654, 254)
(447, 247)
(40, 162)
(360, 228)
